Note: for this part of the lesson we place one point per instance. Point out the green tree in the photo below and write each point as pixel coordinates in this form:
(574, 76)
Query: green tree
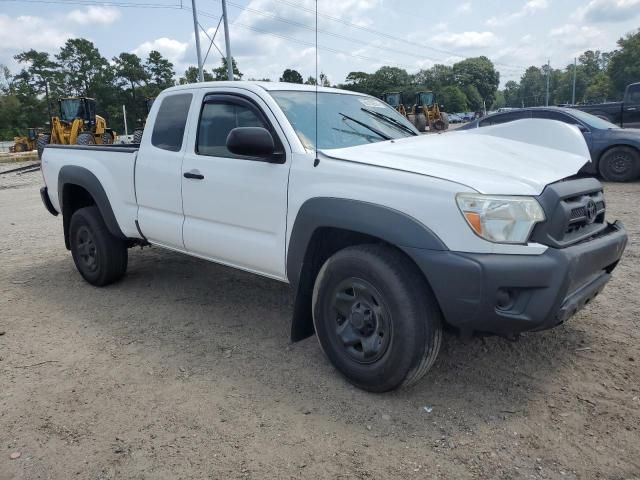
(324, 80)
(85, 71)
(480, 73)
(532, 87)
(191, 76)
(291, 76)
(511, 94)
(221, 73)
(159, 71)
(130, 73)
(624, 64)
(310, 81)
(598, 90)
(453, 99)
(40, 74)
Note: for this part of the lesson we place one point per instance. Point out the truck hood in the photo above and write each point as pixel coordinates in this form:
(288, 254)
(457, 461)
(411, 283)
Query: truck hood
(516, 158)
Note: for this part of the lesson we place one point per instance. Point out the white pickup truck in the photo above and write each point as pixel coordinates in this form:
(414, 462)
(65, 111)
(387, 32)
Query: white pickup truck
(385, 235)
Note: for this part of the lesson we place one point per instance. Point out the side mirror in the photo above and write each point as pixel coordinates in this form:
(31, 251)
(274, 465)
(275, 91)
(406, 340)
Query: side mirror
(250, 142)
(583, 129)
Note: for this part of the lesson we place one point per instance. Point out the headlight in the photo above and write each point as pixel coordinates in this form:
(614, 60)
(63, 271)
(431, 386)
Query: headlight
(500, 219)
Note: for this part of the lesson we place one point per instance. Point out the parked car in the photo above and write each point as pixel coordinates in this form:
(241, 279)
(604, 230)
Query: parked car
(385, 235)
(454, 118)
(624, 114)
(615, 152)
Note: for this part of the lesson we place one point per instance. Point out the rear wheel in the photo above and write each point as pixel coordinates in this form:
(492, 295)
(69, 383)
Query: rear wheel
(137, 136)
(421, 122)
(620, 164)
(376, 318)
(100, 257)
(43, 141)
(86, 138)
(107, 138)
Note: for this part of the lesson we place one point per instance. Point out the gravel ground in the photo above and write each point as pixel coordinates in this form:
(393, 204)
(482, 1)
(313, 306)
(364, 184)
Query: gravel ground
(184, 370)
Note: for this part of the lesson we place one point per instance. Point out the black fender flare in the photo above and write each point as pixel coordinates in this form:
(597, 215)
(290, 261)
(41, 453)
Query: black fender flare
(82, 177)
(384, 223)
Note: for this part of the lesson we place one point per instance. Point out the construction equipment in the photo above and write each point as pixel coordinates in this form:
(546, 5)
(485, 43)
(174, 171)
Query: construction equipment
(424, 112)
(77, 124)
(26, 143)
(137, 133)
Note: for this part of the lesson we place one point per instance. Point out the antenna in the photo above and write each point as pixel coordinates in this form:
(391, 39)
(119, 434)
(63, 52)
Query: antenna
(316, 162)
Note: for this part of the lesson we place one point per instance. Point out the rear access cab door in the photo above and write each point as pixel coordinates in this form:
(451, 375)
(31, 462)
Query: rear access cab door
(631, 107)
(235, 207)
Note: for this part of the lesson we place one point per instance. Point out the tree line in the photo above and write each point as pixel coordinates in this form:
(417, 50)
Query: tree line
(79, 69)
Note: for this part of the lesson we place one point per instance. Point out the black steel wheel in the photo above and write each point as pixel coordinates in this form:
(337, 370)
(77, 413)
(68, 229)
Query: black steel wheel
(376, 318)
(100, 257)
(620, 164)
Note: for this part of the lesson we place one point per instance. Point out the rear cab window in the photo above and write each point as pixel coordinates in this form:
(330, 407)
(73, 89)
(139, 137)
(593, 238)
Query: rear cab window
(170, 122)
(505, 117)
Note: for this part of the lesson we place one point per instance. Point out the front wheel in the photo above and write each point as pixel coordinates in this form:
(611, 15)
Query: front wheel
(376, 318)
(100, 257)
(620, 164)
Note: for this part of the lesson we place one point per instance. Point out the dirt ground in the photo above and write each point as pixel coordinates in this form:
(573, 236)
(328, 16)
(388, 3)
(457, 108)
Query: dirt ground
(184, 370)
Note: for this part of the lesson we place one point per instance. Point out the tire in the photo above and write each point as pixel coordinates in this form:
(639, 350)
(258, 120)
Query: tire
(390, 331)
(107, 138)
(86, 138)
(421, 122)
(43, 141)
(620, 164)
(445, 120)
(137, 136)
(100, 257)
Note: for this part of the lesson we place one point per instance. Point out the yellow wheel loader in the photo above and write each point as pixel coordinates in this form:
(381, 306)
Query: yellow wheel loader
(26, 143)
(425, 111)
(77, 124)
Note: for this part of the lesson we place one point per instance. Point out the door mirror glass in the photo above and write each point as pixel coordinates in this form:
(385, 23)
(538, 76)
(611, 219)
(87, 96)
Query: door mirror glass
(582, 128)
(250, 142)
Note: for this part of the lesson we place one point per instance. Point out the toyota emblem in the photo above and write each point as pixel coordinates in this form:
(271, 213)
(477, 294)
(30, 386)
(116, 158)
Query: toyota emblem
(591, 211)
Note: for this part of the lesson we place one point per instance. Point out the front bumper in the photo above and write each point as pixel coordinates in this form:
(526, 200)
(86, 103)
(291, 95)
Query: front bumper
(508, 294)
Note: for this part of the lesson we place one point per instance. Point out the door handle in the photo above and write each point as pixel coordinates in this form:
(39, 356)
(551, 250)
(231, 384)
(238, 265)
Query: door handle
(194, 174)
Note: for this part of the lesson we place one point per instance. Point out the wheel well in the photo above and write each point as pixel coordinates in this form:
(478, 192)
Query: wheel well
(74, 197)
(324, 242)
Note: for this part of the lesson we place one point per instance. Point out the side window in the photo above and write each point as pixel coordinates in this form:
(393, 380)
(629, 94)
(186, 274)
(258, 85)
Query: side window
(505, 117)
(217, 119)
(168, 129)
(551, 115)
(633, 94)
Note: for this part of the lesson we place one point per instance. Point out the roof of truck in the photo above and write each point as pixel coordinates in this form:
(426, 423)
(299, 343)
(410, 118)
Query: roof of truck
(264, 85)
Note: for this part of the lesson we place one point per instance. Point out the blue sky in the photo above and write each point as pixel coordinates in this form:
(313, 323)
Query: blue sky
(268, 36)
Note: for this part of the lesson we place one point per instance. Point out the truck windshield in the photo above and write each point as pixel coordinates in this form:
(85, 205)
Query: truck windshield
(343, 120)
(592, 120)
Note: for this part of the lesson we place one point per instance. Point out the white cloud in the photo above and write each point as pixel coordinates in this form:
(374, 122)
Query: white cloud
(597, 11)
(25, 32)
(531, 7)
(467, 39)
(94, 15)
(464, 8)
(174, 50)
(577, 36)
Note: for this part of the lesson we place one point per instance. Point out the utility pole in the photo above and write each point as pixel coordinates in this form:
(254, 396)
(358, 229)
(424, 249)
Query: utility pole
(197, 32)
(124, 115)
(546, 103)
(573, 94)
(46, 92)
(226, 40)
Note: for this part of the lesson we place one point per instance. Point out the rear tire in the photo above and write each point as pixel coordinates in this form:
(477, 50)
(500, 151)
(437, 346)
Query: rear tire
(43, 141)
(86, 138)
(137, 136)
(620, 164)
(376, 318)
(421, 122)
(100, 257)
(107, 138)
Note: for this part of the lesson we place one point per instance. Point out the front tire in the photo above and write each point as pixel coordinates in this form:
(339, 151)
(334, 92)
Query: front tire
(376, 318)
(100, 257)
(86, 138)
(620, 164)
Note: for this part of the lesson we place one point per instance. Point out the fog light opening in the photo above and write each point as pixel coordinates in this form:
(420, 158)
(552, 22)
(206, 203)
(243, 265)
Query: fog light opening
(505, 299)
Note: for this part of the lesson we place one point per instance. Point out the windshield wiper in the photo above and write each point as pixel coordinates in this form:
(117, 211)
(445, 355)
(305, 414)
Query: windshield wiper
(389, 120)
(368, 127)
